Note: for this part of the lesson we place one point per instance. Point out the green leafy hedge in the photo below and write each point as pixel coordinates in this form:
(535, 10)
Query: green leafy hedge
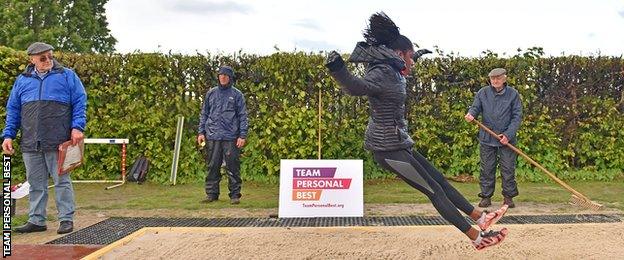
(572, 123)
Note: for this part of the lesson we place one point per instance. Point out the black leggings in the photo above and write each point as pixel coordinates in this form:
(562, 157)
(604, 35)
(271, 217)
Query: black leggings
(414, 169)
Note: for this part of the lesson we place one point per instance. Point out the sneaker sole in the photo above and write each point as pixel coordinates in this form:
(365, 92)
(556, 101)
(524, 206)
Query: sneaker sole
(503, 231)
(495, 219)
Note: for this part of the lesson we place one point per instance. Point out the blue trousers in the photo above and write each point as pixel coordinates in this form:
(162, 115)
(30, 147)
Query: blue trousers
(39, 166)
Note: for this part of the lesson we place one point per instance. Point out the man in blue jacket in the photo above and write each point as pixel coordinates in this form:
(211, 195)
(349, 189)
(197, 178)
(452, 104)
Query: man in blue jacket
(501, 110)
(223, 124)
(48, 102)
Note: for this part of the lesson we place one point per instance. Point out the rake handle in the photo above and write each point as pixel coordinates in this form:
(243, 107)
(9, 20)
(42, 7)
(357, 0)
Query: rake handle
(534, 163)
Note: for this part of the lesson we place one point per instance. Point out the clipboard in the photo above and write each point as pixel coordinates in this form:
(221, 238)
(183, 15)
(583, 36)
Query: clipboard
(70, 156)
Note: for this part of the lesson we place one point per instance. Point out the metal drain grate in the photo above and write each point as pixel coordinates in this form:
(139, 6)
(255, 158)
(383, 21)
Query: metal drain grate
(113, 229)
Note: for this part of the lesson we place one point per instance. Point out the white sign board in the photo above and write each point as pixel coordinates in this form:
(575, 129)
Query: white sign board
(321, 188)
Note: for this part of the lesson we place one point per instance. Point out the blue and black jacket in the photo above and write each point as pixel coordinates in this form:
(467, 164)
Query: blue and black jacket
(223, 114)
(45, 108)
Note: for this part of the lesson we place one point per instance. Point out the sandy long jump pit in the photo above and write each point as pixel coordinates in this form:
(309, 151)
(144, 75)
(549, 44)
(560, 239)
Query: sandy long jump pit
(529, 241)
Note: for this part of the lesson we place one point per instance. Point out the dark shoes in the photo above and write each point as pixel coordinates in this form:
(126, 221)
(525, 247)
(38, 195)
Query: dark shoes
(485, 202)
(509, 202)
(65, 227)
(232, 200)
(209, 200)
(30, 227)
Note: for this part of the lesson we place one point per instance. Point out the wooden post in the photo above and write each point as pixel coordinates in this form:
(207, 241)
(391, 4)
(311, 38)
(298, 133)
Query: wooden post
(319, 124)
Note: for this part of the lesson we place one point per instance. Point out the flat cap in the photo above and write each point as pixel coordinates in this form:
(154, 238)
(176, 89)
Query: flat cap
(38, 47)
(497, 72)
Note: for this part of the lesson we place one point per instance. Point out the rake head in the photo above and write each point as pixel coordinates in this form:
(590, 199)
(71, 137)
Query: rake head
(585, 203)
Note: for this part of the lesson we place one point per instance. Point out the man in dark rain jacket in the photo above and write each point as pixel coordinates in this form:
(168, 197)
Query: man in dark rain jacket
(223, 125)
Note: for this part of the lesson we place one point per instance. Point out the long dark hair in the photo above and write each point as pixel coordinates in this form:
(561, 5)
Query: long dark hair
(382, 31)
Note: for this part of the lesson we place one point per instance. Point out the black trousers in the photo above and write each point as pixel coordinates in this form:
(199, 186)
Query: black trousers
(216, 152)
(491, 156)
(419, 173)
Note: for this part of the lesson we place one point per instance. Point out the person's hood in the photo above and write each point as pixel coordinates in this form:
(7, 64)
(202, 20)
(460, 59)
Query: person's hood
(226, 70)
(366, 53)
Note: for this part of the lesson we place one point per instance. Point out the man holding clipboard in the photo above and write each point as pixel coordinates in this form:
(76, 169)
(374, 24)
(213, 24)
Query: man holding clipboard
(48, 103)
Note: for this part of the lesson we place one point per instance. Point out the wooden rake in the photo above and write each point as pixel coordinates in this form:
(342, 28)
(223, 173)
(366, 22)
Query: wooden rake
(576, 199)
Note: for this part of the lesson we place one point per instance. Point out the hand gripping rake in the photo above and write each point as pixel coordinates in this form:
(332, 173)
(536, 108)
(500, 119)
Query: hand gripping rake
(577, 198)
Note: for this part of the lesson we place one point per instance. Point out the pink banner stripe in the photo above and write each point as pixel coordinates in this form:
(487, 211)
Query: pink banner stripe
(324, 184)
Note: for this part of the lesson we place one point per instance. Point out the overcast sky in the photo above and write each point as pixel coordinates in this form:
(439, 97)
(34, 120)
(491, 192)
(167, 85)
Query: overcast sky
(463, 27)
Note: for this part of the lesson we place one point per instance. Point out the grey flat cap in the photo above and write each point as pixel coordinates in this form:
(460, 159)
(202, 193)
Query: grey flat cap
(497, 72)
(38, 47)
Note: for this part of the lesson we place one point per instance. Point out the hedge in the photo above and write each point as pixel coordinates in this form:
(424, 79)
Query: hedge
(572, 106)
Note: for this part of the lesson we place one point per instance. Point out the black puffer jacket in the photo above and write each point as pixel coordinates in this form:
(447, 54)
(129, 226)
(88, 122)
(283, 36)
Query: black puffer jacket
(385, 87)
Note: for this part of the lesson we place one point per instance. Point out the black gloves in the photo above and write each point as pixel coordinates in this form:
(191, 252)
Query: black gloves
(334, 62)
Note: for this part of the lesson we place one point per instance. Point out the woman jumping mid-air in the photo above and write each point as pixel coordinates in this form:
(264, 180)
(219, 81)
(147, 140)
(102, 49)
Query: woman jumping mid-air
(389, 58)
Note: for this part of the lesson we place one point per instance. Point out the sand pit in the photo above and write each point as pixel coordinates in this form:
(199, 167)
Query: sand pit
(552, 241)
